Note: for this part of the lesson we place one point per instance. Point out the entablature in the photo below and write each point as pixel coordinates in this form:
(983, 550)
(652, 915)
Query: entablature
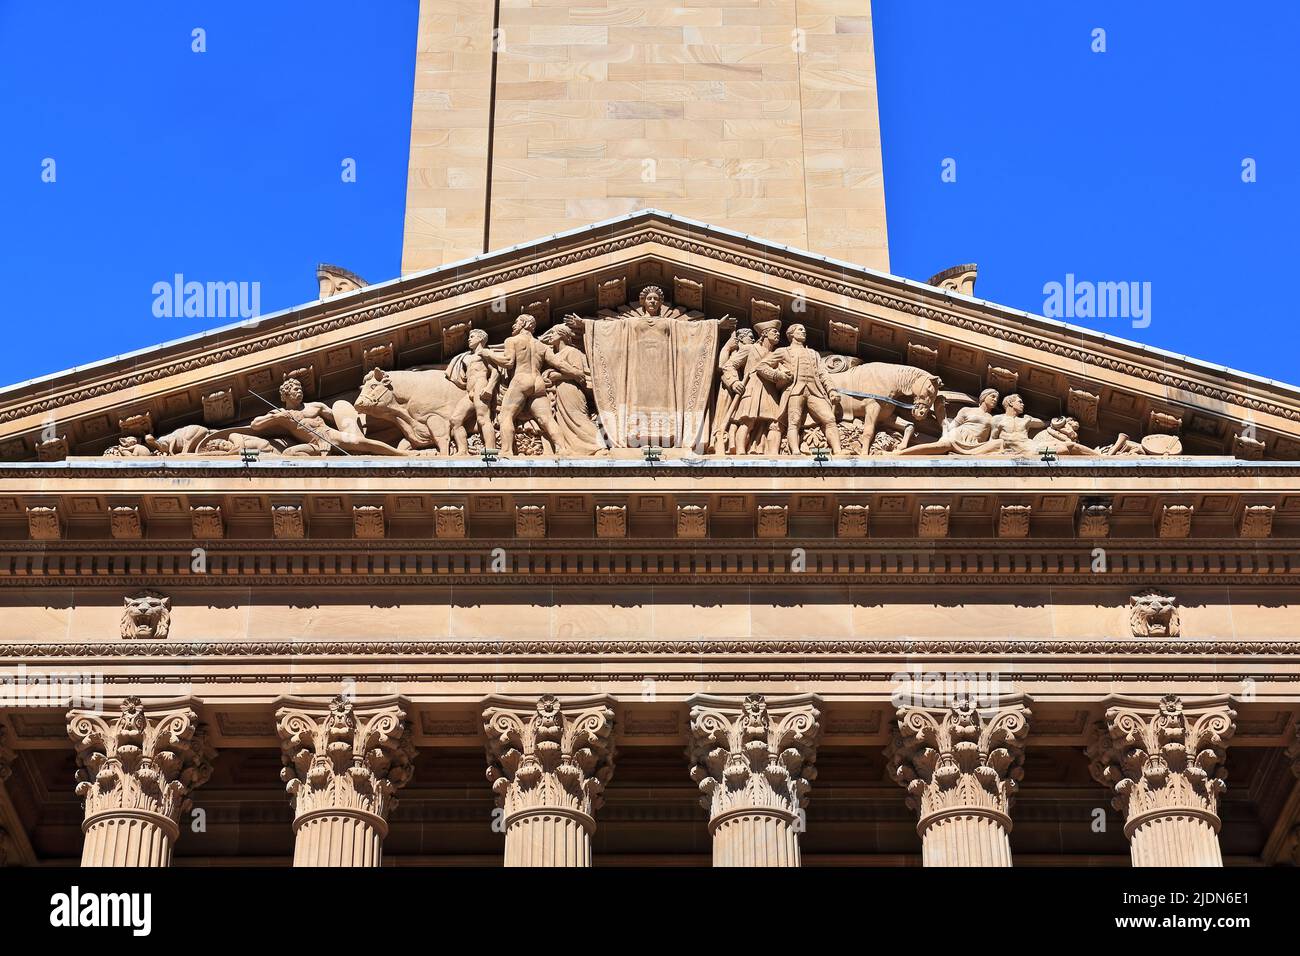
(454, 509)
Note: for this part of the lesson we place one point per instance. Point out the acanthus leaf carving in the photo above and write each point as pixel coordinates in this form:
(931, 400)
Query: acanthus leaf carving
(288, 523)
(549, 754)
(1094, 519)
(138, 760)
(611, 521)
(345, 756)
(852, 521)
(755, 753)
(961, 759)
(449, 521)
(126, 523)
(1163, 757)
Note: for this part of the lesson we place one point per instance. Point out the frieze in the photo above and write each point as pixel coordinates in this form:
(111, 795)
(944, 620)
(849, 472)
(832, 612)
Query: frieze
(650, 376)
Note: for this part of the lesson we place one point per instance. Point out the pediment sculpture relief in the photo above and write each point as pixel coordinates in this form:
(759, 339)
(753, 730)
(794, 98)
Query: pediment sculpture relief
(648, 374)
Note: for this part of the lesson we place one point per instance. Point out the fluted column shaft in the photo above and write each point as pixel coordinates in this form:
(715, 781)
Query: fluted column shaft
(967, 839)
(548, 764)
(1164, 762)
(752, 759)
(341, 837)
(748, 837)
(342, 766)
(128, 838)
(548, 836)
(1173, 839)
(961, 767)
(136, 771)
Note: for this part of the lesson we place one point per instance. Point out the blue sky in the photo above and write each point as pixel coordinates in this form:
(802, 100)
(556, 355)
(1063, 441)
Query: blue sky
(1122, 166)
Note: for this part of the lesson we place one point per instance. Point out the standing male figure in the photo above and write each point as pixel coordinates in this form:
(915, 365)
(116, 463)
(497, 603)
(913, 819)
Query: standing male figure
(740, 341)
(809, 391)
(479, 379)
(524, 360)
(757, 405)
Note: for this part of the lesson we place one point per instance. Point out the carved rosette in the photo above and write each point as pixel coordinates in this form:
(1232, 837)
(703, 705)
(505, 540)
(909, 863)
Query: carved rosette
(753, 762)
(1164, 762)
(343, 764)
(548, 764)
(135, 773)
(961, 767)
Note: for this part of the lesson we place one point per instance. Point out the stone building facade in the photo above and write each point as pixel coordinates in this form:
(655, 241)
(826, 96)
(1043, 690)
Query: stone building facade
(655, 541)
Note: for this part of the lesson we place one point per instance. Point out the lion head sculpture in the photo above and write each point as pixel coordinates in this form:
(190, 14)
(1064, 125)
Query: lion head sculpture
(146, 615)
(1152, 614)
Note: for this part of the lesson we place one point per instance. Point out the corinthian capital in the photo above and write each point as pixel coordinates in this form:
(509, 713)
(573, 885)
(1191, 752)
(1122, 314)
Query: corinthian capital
(549, 754)
(344, 755)
(140, 762)
(961, 759)
(754, 753)
(1164, 757)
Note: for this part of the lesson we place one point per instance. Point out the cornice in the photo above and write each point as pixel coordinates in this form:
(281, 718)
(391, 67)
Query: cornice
(352, 468)
(600, 649)
(724, 563)
(312, 322)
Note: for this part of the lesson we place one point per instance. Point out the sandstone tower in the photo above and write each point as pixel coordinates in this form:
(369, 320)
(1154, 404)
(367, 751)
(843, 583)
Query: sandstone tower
(533, 117)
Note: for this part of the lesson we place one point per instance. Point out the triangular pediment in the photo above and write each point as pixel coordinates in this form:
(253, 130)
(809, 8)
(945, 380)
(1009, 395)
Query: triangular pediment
(222, 378)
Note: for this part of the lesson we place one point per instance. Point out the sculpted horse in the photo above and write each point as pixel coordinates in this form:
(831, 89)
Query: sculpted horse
(428, 409)
(905, 384)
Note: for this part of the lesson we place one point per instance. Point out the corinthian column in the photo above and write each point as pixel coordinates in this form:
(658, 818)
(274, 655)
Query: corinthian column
(135, 774)
(753, 762)
(548, 763)
(961, 767)
(1165, 764)
(342, 764)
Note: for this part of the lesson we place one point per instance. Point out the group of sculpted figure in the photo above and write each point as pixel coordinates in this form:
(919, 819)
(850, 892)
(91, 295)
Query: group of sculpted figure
(534, 395)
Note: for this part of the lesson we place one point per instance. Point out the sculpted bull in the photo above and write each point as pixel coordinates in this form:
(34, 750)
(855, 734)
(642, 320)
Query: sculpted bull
(905, 384)
(428, 409)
